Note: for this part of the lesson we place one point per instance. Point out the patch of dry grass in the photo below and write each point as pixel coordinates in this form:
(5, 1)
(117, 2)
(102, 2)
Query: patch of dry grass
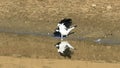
(41, 47)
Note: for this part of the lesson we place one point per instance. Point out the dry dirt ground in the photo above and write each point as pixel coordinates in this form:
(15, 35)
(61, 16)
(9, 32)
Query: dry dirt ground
(13, 62)
(95, 19)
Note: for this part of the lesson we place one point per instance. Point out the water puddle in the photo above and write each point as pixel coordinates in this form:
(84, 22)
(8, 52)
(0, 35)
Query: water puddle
(109, 41)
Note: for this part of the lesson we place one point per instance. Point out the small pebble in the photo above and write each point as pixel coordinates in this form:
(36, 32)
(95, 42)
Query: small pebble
(93, 5)
(98, 40)
(109, 7)
(48, 33)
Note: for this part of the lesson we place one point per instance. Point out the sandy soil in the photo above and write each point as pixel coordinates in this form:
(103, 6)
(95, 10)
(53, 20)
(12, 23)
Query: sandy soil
(12, 62)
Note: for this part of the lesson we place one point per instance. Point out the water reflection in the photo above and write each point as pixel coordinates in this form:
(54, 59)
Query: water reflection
(64, 49)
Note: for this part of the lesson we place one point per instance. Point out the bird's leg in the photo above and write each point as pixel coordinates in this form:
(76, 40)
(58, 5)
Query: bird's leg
(61, 37)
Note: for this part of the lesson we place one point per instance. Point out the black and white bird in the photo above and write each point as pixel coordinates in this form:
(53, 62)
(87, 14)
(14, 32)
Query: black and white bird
(63, 28)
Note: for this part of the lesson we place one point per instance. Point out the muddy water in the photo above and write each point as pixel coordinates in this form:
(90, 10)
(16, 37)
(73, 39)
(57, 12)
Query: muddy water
(108, 41)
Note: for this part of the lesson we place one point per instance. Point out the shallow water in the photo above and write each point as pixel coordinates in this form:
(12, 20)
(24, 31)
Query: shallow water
(108, 41)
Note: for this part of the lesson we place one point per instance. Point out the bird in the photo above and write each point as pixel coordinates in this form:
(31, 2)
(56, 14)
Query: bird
(64, 28)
